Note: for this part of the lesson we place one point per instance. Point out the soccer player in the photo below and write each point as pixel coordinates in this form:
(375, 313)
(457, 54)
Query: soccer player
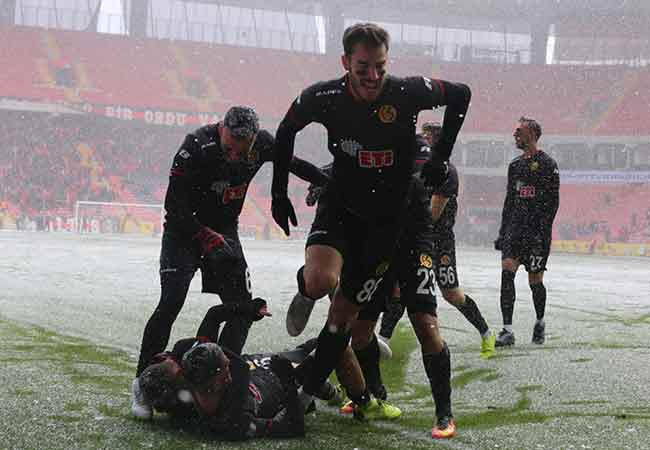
(532, 200)
(444, 206)
(237, 396)
(208, 182)
(370, 118)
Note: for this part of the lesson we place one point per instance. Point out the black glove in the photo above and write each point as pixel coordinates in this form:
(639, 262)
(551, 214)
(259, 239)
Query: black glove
(253, 310)
(434, 172)
(498, 243)
(283, 212)
(215, 247)
(313, 194)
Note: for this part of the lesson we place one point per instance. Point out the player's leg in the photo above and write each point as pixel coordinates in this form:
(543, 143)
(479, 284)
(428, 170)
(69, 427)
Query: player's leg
(231, 281)
(535, 265)
(368, 256)
(447, 279)
(417, 285)
(178, 262)
(366, 349)
(393, 312)
(323, 263)
(509, 265)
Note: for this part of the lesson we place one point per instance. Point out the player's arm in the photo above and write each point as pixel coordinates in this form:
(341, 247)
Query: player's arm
(551, 199)
(236, 424)
(507, 209)
(301, 112)
(438, 203)
(433, 93)
(177, 200)
(441, 196)
(254, 310)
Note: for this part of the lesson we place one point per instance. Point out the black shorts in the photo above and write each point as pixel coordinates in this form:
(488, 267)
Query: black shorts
(413, 269)
(180, 258)
(367, 248)
(533, 253)
(445, 262)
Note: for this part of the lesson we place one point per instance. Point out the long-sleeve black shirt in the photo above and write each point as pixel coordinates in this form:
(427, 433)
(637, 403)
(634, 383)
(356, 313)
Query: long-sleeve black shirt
(373, 144)
(206, 190)
(532, 198)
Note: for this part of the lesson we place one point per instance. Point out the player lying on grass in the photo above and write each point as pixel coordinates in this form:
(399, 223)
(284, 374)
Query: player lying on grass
(238, 397)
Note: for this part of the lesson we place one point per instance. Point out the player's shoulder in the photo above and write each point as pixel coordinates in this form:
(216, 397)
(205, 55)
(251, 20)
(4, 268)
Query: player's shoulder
(324, 90)
(516, 160)
(202, 139)
(547, 159)
(264, 140)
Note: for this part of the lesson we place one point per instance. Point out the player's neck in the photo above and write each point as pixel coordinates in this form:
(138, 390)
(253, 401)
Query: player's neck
(531, 151)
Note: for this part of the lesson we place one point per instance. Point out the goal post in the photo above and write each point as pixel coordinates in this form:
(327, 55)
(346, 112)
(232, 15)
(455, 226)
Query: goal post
(114, 217)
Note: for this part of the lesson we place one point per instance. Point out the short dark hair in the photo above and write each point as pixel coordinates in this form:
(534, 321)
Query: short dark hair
(533, 125)
(158, 386)
(369, 34)
(242, 122)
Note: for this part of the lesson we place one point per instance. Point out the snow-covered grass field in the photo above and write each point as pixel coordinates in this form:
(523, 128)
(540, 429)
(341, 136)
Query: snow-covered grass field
(72, 310)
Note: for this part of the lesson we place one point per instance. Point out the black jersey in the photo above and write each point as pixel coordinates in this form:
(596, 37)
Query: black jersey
(206, 190)
(445, 224)
(532, 198)
(373, 144)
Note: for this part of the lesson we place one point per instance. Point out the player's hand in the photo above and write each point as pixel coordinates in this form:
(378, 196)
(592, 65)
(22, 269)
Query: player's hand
(256, 309)
(313, 194)
(215, 248)
(434, 172)
(283, 212)
(498, 243)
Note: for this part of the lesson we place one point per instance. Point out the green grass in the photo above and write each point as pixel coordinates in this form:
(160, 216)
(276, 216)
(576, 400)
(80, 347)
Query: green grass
(62, 392)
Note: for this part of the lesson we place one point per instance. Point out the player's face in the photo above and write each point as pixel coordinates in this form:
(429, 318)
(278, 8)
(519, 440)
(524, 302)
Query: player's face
(235, 149)
(366, 67)
(523, 136)
(432, 136)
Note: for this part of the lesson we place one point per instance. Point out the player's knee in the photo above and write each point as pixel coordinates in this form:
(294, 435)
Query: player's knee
(319, 282)
(362, 331)
(455, 296)
(535, 278)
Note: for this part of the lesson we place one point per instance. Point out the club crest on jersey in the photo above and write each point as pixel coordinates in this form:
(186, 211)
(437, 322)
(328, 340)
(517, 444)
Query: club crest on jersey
(382, 268)
(350, 147)
(426, 261)
(387, 113)
(445, 260)
(375, 159)
(184, 153)
(534, 166)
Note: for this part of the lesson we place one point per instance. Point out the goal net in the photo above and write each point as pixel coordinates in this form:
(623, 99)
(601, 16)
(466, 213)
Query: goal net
(111, 217)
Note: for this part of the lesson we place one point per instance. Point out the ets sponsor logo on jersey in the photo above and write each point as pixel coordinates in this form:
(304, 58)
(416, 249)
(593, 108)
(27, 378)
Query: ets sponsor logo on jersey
(525, 190)
(234, 193)
(376, 159)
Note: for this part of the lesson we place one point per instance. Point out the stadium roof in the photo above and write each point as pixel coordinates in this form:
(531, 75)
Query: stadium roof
(620, 16)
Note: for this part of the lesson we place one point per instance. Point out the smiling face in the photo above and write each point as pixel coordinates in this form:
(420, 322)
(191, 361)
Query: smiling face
(366, 67)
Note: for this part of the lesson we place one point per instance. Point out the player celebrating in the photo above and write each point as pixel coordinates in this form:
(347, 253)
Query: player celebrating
(444, 206)
(208, 182)
(370, 119)
(531, 202)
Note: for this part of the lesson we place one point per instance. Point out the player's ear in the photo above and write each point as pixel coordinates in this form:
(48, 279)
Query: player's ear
(345, 62)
